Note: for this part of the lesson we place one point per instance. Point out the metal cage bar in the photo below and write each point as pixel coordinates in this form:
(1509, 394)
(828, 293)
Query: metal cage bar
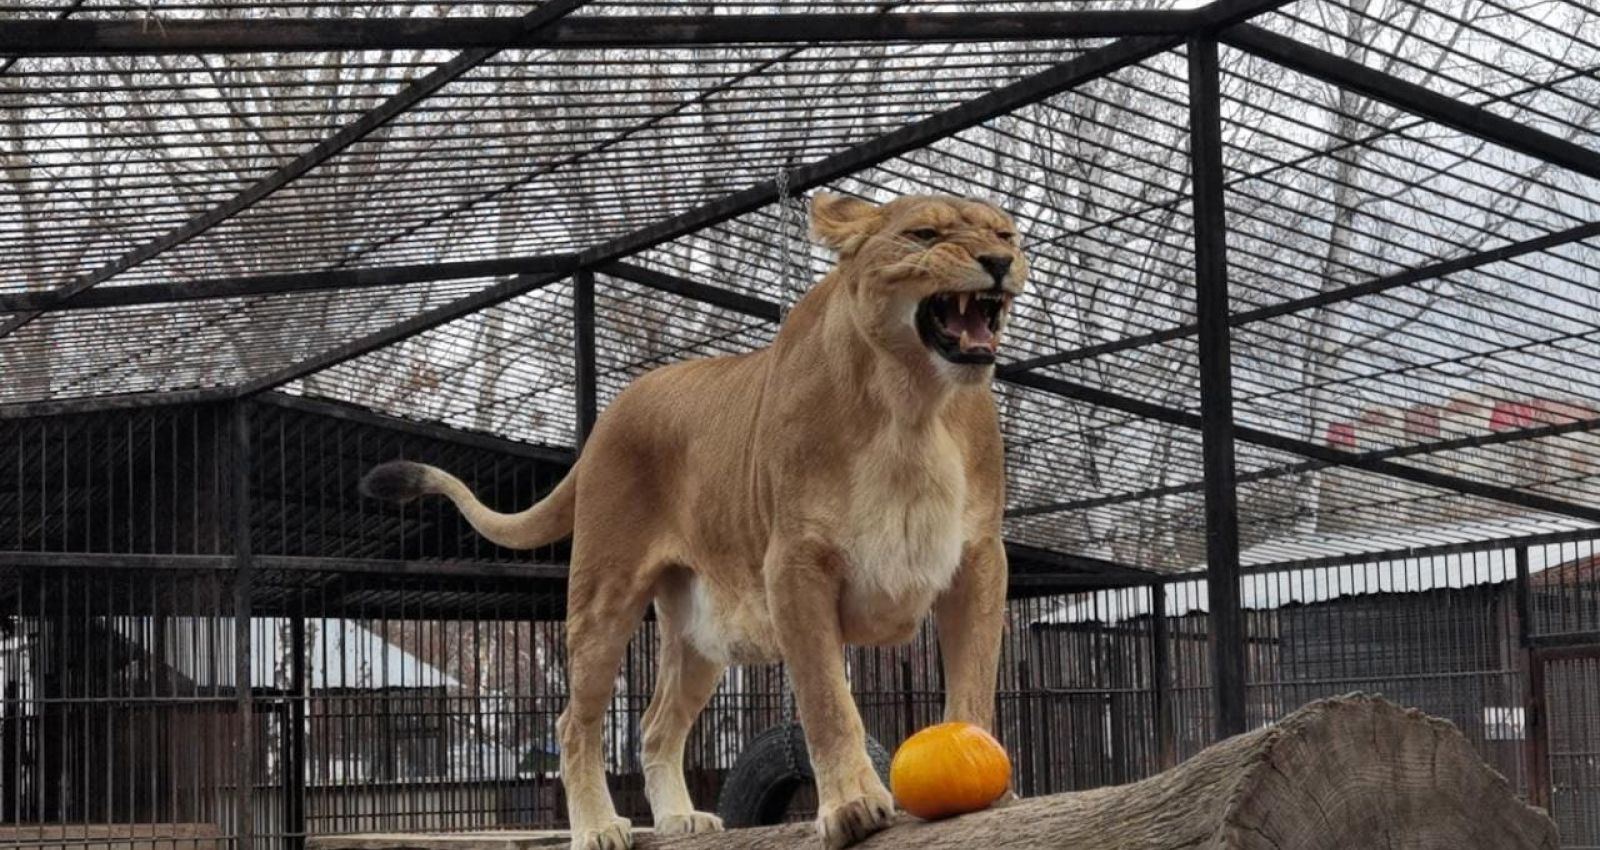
(583, 355)
(240, 459)
(123, 38)
(1216, 386)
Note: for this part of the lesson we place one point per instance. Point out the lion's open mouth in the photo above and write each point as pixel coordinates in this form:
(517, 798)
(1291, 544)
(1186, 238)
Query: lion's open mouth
(963, 327)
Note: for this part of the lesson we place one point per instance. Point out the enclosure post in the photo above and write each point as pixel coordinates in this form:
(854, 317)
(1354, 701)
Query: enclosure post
(1535, 734)
(243, 562)
(1524, 612)
(908, 725)
(294, 739)
(1026, 770)
(1535, 752)
(11, 751)
(1161, 677)
(583, 354)
(1216, 387)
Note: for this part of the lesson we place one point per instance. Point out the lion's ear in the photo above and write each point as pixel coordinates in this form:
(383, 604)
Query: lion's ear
(840, 222)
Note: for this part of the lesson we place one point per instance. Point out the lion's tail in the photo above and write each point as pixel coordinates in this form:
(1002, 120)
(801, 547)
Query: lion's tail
(549, 520)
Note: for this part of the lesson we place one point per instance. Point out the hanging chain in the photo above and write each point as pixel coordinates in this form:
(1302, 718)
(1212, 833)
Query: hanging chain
(789, 726)
(791, 246)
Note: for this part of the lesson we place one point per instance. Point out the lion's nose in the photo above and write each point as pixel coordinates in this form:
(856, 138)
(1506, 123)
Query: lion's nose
(996, 265)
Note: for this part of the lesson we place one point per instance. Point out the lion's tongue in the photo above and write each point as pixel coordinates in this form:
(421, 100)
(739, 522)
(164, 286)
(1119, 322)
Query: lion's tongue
(970, 326)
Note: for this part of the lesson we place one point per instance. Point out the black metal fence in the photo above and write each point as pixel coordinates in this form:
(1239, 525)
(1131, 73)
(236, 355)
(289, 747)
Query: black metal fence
(379, 668)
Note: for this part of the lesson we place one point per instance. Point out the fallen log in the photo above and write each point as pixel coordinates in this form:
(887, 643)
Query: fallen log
(1339, 774)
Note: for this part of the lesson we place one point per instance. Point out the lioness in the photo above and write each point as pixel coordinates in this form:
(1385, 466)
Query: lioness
(830, 489)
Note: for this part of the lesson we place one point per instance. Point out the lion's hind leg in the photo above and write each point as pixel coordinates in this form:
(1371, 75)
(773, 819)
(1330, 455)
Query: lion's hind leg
(607, 593)
(685, 680)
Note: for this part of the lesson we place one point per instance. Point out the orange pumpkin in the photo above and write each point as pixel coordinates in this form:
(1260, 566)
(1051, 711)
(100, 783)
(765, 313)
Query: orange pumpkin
(949, 769)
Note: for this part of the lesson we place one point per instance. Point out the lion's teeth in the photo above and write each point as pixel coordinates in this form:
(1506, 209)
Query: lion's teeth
(962, 299)
(966, 340)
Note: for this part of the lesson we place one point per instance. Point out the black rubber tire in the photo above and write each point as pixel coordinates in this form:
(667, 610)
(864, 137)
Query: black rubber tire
(757, 791)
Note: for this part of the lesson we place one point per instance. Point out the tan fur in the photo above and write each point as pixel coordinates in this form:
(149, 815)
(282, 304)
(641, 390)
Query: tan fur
(831, 489)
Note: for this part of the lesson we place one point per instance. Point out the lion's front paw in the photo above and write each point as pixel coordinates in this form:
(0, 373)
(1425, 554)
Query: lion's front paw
(853, 820)
(617, 836)
(688, 824)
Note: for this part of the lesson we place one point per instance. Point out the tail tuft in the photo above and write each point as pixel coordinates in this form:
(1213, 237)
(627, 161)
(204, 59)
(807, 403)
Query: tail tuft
(549, 520)
(395, 481)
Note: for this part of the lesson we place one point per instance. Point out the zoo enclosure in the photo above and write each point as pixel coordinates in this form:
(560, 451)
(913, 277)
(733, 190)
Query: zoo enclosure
(1329, 273)
(404, 675)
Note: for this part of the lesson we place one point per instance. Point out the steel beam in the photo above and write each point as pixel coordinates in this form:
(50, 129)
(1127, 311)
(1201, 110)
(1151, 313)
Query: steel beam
(426, 430)
(5, 65)
(1161, 678)
(441, 568)
(1375, 286)
(738, 302)
(1028, 560)
(1371, 556)
(1027, 585)
(240, 463)
(1108, 500)
(583, 390)
(1475, 441)
(1369, 82)
(285, 563)
(1524, 606)
(282, 284)
(1035, 564)
(503, 291)
(269, 35)
(1226, 633)
(293, 734)
(91, 404)
(1536, 729)
(351, 133)
(1584, 644)
(1305, 448)
(1427, 477)
(1552, 538)
(114, 561)
(1031, 564)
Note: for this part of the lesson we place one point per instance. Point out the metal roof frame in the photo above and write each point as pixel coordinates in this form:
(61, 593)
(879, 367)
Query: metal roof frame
(549, 26)
(348, 135)
(1090, 66)
(126, 38)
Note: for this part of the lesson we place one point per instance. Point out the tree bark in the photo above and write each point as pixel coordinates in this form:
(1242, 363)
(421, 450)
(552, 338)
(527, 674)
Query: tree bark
(1348, 772)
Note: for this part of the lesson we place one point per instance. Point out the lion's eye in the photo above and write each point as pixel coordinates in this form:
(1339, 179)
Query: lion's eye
(1007, 235)
(926, 234)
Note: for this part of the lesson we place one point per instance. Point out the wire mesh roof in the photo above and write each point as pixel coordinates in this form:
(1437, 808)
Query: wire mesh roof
(1410, 191)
